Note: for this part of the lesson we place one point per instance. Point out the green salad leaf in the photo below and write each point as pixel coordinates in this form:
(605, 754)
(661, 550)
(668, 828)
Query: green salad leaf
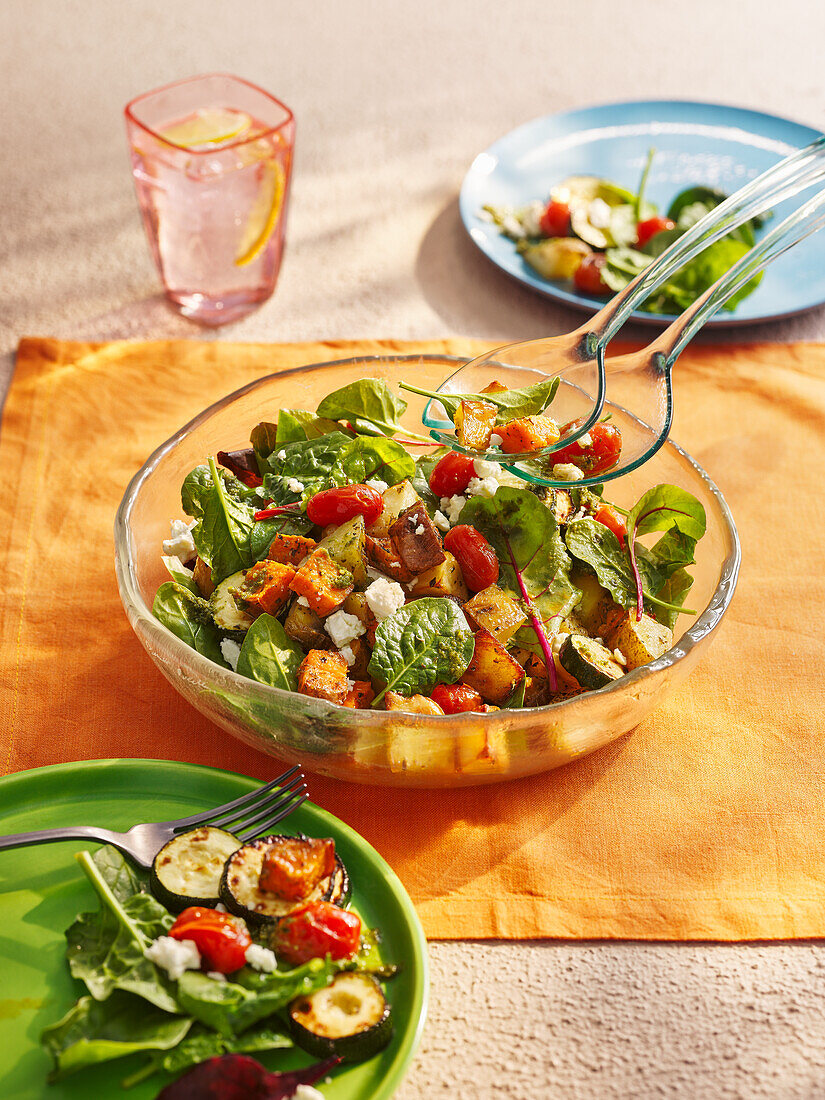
(200, 1044)
(368, 457)
(424, 643)
(180, 573)
(269, 655)
(368, 404)
(511, 404)
(189, 618)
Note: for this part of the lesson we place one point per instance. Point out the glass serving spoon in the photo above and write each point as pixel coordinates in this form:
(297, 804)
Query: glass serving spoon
(578, 358)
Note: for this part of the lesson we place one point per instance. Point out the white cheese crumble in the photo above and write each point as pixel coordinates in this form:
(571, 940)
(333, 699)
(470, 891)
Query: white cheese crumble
(343, 627)
(231, 652)
(377, 484)
(441, 521)
(294, 485)
(557, 641)
(384, 597)
(261, 958)
(221, 908)
(483, 468)
(496, 440)
(598, 214)
(307, 1092)
(482, 487)
(281, 455)
(174, 956)
(420, 529)
(181, 544)
(451, 507)
(585, 440)
(302, 601)
(566, 471)
(620, 657)
(216, 975)
(348, 655)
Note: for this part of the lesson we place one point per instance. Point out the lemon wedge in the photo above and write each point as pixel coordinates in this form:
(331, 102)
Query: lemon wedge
(263, 217)
(209, 126)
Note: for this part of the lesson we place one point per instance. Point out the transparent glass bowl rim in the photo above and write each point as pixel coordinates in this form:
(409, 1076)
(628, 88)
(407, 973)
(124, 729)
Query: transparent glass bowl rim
(130, 115)
(138, 611)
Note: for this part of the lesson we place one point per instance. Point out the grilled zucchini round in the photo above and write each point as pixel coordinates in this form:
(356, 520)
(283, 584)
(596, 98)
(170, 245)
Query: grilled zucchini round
(242, 895)
(349, 1018)
(589, 662)
(188, 868)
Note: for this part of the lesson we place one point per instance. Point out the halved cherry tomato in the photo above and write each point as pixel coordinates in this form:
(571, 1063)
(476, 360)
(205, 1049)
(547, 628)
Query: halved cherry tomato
(555, 221)
(475, 556)
(222, 940)
(649, 228)
(607, 515)
(317, 930)
(456, 698)
(588, 277)
(338, 505)
(452, 474)
(600, 454)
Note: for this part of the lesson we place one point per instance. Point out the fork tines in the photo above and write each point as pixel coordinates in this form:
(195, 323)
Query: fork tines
(255, 813)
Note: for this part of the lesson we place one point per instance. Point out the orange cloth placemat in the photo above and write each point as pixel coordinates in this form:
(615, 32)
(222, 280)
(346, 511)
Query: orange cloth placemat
(707, 822)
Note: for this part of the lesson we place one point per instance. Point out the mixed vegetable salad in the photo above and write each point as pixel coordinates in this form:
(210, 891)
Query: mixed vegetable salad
(601, 236)
(342, 557)
(226, 950)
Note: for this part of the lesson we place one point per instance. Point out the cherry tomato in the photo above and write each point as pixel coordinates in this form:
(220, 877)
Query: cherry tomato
(606, 514)
(600, 454)
(317, 930)
(456, 698)
(649, 228)
(588, 277)
(338, 505)
(475, 556)
(555, 221)
(222, 940)
(452, 474)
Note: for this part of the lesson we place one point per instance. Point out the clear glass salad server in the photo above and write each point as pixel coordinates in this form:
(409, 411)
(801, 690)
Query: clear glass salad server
(578, 357)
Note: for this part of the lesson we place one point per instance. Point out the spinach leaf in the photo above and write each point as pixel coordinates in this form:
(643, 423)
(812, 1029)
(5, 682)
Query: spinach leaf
(598, 547)
(422, 644)
(512, 404)
(367, 404)
(420, 481)
(189, 618)
(295, 424)
(98, 1031)
(664, 508)
(179, 572)
(269, 655)
(335, 459)
(372, 457)
(226, 535)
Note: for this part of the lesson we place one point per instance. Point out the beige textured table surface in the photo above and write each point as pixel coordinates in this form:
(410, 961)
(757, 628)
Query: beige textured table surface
(393, 100)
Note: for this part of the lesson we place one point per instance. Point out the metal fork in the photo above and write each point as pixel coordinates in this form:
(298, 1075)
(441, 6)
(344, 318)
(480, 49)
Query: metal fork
(246, 817)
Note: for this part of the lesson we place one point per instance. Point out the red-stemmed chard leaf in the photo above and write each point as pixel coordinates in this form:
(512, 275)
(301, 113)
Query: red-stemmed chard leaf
(239, 1077)
(661, 509)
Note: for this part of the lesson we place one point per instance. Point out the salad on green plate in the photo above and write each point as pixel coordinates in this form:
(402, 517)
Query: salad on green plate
(342, 557)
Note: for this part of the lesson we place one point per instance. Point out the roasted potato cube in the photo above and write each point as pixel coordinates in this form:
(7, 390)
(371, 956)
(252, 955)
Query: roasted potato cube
(639, 642)
(412, 704)
(293, 867)
(323, 582)
(360, 696)
(382, 556)
(356, 604)
(304, 627)
(492, 671)
(346, 546)
(203, 578)
(324, 675)
(416, 541)
(530, 433)
(266, 586)
(396, 498)
(444, 580)
(474, 423)
(290, 549)
(496, 611)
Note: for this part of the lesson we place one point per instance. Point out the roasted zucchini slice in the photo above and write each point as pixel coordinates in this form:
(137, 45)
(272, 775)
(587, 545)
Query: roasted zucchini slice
(349, 1018)
(188, 869)
(589, 662)
(241, 892)
(226, 611)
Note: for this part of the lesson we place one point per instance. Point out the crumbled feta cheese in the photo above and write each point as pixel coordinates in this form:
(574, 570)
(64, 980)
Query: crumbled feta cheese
(420, 529)
(261, 958)
(486, 469)
(451, 506)
(231, 652)
(384, 597)
(530, 218)
(496, 440)
(482, 487)
(221, 908)
(348, 655)
(350, 684)
(302, 601)
(181, 544)
(585, 440)
(294, 485)
(511, 226)
(377, 484)
(216, 975)
(281, 455)
(557, 641)
(441, 521)
(566, 471)
(174, 956)
(307, 1092)
(343, 627)
(598, 214)
(619, 657)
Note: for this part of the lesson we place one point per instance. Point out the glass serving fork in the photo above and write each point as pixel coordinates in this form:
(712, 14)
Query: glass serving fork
(246, 817)
(639, 382)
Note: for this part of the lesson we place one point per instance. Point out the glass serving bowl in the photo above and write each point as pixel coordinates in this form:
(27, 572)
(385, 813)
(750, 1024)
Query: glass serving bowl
(391, 748)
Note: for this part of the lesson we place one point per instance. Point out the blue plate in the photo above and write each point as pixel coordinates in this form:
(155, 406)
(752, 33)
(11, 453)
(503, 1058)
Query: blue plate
(696, 143)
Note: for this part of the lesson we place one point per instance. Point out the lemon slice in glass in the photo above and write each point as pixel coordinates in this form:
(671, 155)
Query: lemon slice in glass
(208, 126)
(263, 217)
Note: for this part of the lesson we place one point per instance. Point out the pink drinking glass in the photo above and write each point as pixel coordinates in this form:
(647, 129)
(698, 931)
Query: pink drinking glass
(212, 160)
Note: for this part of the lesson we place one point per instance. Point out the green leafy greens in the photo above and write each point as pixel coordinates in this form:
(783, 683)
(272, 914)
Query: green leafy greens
(269, 655)
(189, 618)
(511, 404)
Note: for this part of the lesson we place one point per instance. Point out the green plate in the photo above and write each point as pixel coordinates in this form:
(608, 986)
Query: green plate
(42, 890)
